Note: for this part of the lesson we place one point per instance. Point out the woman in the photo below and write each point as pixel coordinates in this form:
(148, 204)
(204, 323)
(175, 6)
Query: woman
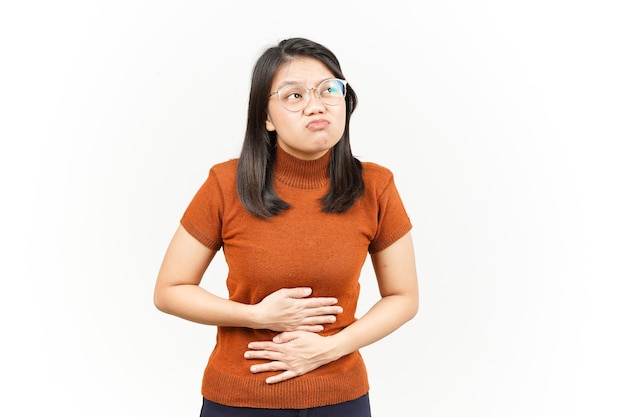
(296, 216)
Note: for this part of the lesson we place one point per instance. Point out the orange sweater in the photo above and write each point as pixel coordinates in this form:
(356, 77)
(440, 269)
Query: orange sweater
(300, 247)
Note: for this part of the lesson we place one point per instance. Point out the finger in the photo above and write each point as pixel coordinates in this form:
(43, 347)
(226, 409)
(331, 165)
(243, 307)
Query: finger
(298, 292)
(319, 302)
(285, 337)
(326, 310)
(281, 377)
(265, 345)
(324, 313)
(319, 320)
(312, 328)
(262, 354)
(314, 320)
(268, 367)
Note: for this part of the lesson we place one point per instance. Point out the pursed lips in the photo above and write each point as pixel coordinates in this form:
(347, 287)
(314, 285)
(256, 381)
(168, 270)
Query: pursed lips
(317, 124)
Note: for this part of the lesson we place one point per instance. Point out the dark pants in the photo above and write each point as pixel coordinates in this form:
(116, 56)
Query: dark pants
(355, 408)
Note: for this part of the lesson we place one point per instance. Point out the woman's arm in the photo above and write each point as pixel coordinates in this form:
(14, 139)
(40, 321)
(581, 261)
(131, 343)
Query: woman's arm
(178, 292)
(397, 282)
(297, 353)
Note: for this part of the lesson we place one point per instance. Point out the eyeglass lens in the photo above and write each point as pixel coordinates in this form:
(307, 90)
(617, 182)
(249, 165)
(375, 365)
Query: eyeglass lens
(296, 97)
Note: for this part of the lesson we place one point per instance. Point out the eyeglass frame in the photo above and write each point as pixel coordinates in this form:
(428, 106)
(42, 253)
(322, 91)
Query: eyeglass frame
(308, 94)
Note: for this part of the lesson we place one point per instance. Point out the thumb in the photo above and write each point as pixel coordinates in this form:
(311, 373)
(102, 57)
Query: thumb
(285, 337)
(298, 292)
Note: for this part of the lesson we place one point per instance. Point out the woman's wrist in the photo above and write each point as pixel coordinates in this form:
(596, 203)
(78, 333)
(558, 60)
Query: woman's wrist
(336, 347)
(252, 317)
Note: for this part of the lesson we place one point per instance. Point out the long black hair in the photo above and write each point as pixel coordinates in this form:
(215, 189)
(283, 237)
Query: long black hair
(255, 167)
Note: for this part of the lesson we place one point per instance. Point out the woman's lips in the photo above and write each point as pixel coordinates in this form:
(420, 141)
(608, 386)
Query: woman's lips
(317, 124)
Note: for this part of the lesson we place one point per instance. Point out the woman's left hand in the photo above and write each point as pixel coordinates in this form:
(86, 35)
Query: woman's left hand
(294, 353)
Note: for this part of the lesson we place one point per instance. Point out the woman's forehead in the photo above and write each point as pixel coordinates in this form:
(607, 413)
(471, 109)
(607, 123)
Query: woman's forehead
(301, 70)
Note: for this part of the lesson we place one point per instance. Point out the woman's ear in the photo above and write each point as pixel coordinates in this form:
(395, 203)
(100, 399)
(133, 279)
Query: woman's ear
(269, 126)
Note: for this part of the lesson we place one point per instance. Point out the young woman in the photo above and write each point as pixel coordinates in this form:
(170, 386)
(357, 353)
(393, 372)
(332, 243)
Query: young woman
(296, 216)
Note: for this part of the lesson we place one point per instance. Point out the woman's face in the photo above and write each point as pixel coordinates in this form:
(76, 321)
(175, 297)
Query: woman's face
(309, 133)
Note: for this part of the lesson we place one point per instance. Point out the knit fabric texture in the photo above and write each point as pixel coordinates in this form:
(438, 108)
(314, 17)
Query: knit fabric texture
(302, 246)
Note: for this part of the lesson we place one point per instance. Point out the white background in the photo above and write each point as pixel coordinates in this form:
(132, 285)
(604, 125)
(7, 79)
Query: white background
(503, 122)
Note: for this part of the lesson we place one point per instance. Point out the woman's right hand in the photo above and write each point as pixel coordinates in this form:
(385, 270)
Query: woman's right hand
(291, 309)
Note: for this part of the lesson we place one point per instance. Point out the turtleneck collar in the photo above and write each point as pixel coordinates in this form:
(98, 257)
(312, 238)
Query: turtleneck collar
(297, 173)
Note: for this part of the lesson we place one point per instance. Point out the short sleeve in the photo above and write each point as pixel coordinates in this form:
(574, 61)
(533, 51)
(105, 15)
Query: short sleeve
(393, 220)
(203, 216)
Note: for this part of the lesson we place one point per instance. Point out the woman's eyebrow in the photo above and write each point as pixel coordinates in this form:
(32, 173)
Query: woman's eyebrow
(294, 82)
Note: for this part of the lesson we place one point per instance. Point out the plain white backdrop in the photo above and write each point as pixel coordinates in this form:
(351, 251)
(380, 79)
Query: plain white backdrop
(502, 121)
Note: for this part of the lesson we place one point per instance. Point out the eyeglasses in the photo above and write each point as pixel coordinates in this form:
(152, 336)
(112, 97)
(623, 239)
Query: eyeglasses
(295, 97)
